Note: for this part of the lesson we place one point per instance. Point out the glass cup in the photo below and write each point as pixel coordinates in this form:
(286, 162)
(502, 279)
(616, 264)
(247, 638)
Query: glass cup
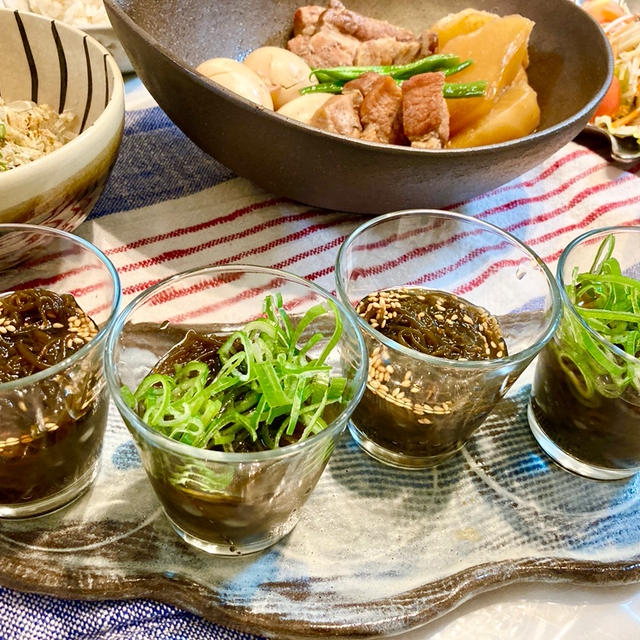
(585, 404)
(53, 421)
(228, 503)
(418, 410)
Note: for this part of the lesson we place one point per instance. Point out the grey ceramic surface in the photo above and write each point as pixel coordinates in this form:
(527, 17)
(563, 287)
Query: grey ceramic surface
(377, 550)
(570, 69)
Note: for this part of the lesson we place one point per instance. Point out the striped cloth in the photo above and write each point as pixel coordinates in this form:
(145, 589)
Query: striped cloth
(169, 207)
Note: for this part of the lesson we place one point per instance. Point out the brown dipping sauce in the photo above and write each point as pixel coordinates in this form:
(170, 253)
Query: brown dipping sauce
(408, 408)
(51, 430)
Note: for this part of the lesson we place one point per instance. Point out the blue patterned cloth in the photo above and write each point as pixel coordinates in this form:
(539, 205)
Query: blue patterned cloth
(26, 616)
(156, 162)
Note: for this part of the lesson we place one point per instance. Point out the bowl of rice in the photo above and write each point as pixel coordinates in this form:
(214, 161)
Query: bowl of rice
(61, 122)
(87, 15)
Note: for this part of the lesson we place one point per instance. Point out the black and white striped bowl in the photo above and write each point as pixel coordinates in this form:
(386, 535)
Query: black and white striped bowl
(52, 63)
(102, 32)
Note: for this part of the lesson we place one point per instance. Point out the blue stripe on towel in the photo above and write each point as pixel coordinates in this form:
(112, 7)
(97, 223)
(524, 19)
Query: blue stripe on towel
(27, 615)
(151, 167)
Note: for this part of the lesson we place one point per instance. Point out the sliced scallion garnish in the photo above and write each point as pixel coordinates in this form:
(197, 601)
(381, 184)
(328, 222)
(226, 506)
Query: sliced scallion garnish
(268, 387)
(609, 302)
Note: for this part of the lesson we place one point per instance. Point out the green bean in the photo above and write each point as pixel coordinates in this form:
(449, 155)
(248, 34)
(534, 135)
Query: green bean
(464, 89)
(450, 89)
(323, 87)
(402, 71)
(449, 71)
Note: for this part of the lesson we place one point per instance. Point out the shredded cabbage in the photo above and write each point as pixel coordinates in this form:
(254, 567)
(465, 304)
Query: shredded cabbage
(29, 131)
(624, 36)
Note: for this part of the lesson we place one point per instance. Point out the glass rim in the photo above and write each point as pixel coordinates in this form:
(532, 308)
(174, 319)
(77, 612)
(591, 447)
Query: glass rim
(566, 302)
(496, 363)
(102, 333)
(132, 418)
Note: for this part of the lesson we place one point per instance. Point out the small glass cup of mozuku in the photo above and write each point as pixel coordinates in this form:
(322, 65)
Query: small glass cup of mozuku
(452, 310)
(585, 404)
(235, 382)
(56, 309)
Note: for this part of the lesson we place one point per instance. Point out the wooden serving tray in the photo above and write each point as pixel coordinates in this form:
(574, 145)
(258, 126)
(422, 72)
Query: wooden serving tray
(377, 550)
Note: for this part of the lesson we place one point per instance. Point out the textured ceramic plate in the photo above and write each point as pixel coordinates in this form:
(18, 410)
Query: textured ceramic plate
(377, 550)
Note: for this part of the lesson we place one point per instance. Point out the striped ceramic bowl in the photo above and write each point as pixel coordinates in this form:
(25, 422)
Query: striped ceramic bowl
(102, 31)
(52, 63)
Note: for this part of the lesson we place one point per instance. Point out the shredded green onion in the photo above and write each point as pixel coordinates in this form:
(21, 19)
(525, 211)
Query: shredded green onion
(268, 392)
(609, 302)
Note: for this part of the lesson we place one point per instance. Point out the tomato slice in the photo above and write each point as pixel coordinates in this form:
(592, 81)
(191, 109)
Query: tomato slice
(611, 101)
(603, 10)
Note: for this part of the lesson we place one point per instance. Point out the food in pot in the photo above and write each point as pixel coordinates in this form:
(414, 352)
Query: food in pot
(586, 397)
(406, 407)
(29, 131)
(283, 72)
(460, 83)
(51, 429)
(237, 77)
